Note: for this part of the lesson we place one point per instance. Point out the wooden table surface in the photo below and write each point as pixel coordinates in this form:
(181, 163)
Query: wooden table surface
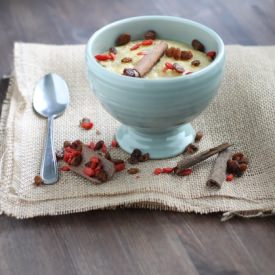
(133, 241)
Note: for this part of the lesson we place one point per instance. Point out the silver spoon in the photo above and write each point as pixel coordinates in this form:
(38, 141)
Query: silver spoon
(50, 99)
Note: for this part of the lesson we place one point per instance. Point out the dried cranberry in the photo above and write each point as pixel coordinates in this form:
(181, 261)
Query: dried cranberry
(186, 55)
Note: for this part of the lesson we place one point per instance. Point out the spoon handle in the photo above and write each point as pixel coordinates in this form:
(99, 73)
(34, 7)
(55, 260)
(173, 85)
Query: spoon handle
(49, 172)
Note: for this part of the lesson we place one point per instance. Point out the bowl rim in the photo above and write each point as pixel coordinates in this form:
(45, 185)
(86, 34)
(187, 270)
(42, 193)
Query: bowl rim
(133, 80)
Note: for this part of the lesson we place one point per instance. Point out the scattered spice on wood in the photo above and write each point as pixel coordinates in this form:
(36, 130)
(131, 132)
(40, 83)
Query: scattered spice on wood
(38, 180)
(192, 160)
(218, 172)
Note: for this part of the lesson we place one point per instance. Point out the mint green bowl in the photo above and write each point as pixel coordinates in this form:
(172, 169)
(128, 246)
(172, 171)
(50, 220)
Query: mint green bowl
(155, 114)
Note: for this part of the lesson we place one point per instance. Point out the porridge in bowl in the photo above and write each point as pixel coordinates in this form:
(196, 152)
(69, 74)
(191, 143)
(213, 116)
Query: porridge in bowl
(154, 58)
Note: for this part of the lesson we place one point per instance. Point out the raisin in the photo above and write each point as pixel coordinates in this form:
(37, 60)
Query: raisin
(131, 72)
(133, 160)
(38, 180)
(195, 63)
(191, 148)
(123, 39)
(144, 157)
(177, 54)
(198, 136)
(197, 45)
(77, 145)
(243, 167)
(133, 171)
(126, 60)
(99, 145)
(186, 55)
(150, 35)
(233, 166)
(76, 160)
(136, 153)
(169, 52)
(237, 156)
(108, 156)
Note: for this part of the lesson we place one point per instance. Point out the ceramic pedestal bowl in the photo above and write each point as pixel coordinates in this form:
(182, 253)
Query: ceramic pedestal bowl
(155, 114)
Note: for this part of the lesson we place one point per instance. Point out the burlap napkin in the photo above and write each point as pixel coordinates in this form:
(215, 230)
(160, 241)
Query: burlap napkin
(243, 113)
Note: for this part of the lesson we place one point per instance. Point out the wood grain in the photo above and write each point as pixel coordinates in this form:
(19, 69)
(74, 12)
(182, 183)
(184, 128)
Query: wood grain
(133, 241)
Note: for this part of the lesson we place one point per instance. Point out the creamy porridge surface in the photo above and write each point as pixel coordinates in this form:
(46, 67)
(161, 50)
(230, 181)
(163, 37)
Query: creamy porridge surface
(158, 70)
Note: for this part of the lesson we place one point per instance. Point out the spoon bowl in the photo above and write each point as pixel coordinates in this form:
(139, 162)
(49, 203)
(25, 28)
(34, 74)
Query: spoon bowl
(50, 100)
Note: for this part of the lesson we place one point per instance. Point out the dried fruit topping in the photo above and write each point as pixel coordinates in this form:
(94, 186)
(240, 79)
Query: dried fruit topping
(113, 50)
(188, 72)
(169, 52)
(177, 54)
(104, 57)
(114, 144)
(144, 157)
(157, 171)
(76, 160)
(65, 168)
(131, 72)
(185, 172)
(123, 39)
(195, 63)
(99, 145)
(169, 66)
(136, 46)
(237, 165)
(229, 177)
(126, 60)
(137, 156)
(178, 68)
(150, 35)
(198, 136)
(37, 180)
(147, 42)
(211, 54)
(86, 124)
(119, 167)
(88, 171)
(101, 175)
(191, 148)
(133, 171)
(186, 55)
(108, 156)
(197, 45)
(167, 170)
(77, 145)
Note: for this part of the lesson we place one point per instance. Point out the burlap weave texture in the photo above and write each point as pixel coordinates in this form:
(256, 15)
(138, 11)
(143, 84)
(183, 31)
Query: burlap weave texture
(243, 113)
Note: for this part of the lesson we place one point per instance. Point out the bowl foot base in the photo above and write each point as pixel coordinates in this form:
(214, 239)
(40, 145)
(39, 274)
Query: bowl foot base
(159, 144)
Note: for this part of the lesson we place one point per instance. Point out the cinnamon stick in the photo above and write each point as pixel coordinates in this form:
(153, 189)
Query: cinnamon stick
(192, 160)
(218, 172)
(148, 61)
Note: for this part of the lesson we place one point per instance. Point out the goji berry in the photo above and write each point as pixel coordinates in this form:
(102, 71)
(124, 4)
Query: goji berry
(119, 167)
(87, 125)
(136, 46)
(89, 171)
(147, 42)
(157, 171)
(112, 56)
(169, 66)
(102, 57)
(167, 170)
(229, 177)
(186, 172)
(211, 54)
(65, 168)
(95, 159)
(114, 143)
